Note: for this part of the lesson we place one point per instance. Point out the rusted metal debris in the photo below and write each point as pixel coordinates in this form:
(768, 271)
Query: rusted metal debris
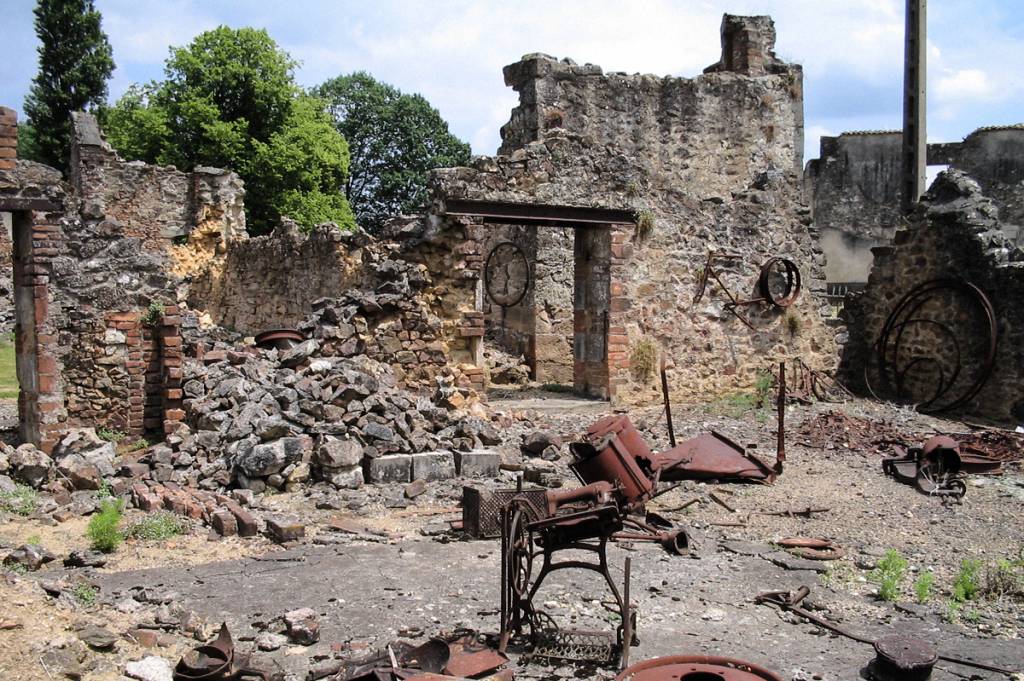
(770, 271)
(481, 508)
(696, 668)
(812, 548)
(217, 661)
(900, 657)
(279, 339)
(507, 274)
(940, 466)
(836, 430)
(461, 655)
(789, 601)
(892, 362)
(810, 385)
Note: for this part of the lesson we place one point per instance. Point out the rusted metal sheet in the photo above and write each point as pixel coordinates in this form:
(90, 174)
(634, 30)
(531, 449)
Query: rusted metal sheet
(217, 662)
(696, 668)
(711, 456)
(467, 657)
(481, 508)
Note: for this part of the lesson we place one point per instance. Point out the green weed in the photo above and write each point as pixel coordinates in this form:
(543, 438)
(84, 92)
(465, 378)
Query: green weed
(21, 500)
(967, 584)
(923, 587)
(85, 593)
(1005, 578)
(643, 358)
(154, 314)
(110, 434)
(157, 526)
(889, 575)
(103, 530)
(34, 540)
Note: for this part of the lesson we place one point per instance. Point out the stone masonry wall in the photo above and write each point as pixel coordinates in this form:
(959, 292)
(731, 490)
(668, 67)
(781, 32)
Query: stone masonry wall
(955, 233)
(710, 162)
(854, 188)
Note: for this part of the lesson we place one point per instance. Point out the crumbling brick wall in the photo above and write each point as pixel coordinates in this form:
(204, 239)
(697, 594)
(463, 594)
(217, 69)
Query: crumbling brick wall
(954, 233)
(712, 163)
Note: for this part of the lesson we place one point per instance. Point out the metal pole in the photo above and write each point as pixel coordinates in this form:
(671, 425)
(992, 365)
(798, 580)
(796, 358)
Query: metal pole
(780, 447)
(915, 137)
(668, 403)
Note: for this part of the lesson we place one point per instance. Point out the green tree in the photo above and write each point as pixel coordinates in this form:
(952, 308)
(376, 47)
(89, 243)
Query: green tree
(395, 139)
(229, 99)
(75, 62)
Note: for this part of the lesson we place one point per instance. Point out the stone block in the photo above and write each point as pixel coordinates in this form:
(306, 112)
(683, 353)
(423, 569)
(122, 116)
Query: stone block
(246, 522)
(428, 466)
(390, 468)
(224, 523)
(350, 477)
(479, 463)
(284, 529)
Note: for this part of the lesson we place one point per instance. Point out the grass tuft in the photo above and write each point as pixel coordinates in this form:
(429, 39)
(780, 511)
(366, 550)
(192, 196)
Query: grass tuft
(85, 594)
(923, 587)
(21, 500)
(967, 585)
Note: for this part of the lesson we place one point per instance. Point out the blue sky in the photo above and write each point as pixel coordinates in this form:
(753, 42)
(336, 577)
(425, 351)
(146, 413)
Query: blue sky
(452, 51)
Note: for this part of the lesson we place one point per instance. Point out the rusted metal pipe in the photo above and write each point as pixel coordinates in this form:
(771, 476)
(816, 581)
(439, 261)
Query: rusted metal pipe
(780, 447)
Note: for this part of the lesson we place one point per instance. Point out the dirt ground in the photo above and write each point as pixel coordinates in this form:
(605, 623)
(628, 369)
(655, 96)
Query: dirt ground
(392, 570)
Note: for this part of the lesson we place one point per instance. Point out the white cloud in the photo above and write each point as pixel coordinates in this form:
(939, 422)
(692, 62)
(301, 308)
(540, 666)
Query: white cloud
(964, 84)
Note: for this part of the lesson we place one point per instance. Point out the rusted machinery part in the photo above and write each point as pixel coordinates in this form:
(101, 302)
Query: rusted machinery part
(793, 285)
(900, 657)
(904, 314)
(506, 299)
(696, 668)
(790, 601)
(812, 548)
(279, 339)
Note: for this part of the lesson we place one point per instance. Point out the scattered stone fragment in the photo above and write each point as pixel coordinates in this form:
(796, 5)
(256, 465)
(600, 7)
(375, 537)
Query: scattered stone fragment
(29, 556)
(63, 661)
(97, 637)
(415, 488)
(303, 626)
(30, 466)
(284, 530)
(151, 668)
(536, 442)
(81, 558)
(145, 638)
(269, 641)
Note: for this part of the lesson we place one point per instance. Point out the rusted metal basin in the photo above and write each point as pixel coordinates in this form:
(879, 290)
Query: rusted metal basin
(696, 668)
(279, 339)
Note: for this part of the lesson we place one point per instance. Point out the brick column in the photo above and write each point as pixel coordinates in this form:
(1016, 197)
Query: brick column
(172, 359)
(8, 138)
(619, 306)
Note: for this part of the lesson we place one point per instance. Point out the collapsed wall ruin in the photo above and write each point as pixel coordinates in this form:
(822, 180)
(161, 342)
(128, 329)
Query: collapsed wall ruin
(854, 189)
(954, 235)
(701, 164)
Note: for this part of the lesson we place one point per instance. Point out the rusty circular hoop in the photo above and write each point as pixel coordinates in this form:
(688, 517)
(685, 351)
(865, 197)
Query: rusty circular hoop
(695, 668)
(792, 273)
(506, 298)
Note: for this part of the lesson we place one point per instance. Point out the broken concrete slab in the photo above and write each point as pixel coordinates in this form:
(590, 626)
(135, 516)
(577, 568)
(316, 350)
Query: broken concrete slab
(478, 463)
(388, 468)
(430, 466)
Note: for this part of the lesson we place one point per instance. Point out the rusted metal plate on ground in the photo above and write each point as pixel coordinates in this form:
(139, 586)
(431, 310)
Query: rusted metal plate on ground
(696, 668)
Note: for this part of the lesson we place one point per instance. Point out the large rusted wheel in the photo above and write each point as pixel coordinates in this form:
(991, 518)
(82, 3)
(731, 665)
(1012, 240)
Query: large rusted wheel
(520, 554)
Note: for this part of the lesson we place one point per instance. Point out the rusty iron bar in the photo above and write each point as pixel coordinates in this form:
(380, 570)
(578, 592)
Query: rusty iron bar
(668, 402)
(790, 601)
(721, 502)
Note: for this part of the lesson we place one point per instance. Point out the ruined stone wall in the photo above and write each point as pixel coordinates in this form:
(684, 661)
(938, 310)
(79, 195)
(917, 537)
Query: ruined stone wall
(711, 164)
(955, 233)
(191, 216)
(553, 305)
(711, 134)
(271, 282)
(854, 189)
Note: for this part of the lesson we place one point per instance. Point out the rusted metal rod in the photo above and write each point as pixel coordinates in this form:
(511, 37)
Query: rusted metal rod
(668, 403)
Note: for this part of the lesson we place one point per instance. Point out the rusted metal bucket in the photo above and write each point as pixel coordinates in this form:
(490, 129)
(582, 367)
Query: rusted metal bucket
(615, 462)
